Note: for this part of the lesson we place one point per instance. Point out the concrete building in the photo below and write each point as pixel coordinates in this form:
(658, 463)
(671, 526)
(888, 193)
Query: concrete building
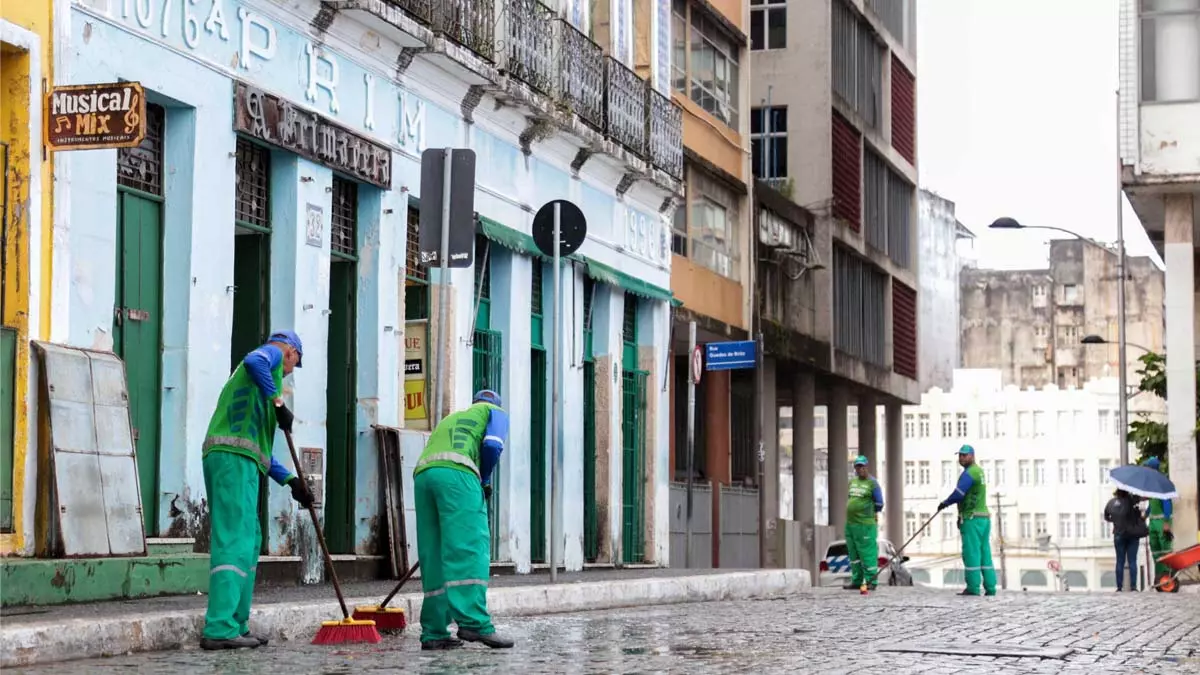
(27, 211)
(1045, 454)
(1028, 323)
(279, 185)
(833, 138)
(1159, 147)
(943, 240)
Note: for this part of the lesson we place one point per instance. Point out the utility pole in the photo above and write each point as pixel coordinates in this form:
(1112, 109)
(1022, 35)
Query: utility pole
(1123, 375)
(1000, 535)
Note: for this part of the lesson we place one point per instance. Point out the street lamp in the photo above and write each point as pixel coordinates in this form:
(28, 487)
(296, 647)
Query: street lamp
(1044, 544)
(1006, 223)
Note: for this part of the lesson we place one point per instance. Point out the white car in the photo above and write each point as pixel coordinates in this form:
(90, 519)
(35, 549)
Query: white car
(835, 567)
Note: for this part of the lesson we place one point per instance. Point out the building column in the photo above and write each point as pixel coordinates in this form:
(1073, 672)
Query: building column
(1180, 301)
(804, 466)
(716, 447)
(866, 431)
(893, 490)
(839, 475)
(769, 410)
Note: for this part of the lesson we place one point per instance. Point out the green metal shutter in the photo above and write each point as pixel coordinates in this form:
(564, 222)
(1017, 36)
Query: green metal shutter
(633, 440)
(486, 366)
(537, 422)
(591, 529)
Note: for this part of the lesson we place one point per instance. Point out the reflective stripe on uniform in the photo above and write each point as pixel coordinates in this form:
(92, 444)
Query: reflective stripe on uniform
(496, 439)
(1158, 516)
(454, 584)
(227, 568)
(236, 442)
(455, 457)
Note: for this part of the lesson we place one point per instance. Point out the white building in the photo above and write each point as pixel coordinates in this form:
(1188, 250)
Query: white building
(1045, 455)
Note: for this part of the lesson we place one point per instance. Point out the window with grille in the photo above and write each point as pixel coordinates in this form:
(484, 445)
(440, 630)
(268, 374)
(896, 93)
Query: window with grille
(768, 24)
(416, 276)
(857, 63)
(252, 204)
(483, 277)
(343, 228)
(535, 288)
(629, 320)
(768, 141)
(141, 168)
(589, 290)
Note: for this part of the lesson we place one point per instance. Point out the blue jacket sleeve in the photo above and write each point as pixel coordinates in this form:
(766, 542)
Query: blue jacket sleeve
(494, 439)
(260, 363)
(279, 473)
(1166, 504)
(964, 483)
(878, 495)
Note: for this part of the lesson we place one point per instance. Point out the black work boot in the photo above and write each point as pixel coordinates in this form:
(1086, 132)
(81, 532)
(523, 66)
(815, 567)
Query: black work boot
(850, 586)
(491, 639)
(442, 644)
(240, 642)
(262, 639)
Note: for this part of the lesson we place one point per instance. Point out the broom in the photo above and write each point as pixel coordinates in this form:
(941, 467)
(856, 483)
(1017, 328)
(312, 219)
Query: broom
(347, 630)
(387, 619)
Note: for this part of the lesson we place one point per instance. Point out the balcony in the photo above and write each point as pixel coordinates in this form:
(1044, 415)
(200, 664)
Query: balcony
(625, 117)
(664, 132)
(470, 23)
(529, 43)
(581, 75)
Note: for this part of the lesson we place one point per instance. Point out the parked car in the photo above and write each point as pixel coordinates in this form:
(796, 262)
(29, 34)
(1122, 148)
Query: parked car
(835, 568)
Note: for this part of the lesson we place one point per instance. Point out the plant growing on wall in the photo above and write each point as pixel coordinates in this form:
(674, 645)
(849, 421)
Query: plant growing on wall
(1148, 435)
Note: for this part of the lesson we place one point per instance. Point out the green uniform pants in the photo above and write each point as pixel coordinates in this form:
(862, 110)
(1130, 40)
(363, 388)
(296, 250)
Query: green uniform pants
(231, 481)
(454, 547)
(977, 555)
(862, 543)
(1159, 546)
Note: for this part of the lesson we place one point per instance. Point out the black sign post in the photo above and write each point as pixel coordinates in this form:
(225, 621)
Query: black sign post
(559, 228)
(446, 234)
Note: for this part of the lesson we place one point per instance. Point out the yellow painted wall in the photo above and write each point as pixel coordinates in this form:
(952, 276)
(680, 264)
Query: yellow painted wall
(15, 105)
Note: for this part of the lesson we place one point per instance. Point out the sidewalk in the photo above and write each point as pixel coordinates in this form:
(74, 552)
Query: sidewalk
(33, 635)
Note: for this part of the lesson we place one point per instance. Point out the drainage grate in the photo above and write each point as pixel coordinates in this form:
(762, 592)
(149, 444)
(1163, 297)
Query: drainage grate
(980, 649)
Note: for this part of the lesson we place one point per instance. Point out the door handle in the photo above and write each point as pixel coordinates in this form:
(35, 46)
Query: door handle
(118, 315)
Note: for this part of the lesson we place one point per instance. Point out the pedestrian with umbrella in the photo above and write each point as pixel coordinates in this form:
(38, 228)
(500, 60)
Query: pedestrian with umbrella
(1129, 527)
(1149, 481)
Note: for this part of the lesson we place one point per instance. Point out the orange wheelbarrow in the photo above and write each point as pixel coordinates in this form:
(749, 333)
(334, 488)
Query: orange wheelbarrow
(1184, 563)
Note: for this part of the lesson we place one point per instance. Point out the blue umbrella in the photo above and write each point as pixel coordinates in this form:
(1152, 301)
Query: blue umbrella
(1143, 482)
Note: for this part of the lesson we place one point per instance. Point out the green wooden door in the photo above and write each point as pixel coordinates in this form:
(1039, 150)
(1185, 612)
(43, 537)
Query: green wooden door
(537, 457)
(252, 325)
(340, 464)
(8, 401)
(137, 332)
(633, 439)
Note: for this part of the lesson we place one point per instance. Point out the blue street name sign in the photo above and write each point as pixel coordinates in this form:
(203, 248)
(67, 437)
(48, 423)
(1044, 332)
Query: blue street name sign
(729, 355)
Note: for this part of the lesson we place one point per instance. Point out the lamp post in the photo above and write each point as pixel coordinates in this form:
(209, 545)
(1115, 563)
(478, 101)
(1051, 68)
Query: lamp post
(1006, 223)
(1044, 544)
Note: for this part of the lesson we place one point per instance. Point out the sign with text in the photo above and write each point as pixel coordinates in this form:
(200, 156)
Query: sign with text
(284, 125)
(95, 116)
(416, 375)
(729, 355)
(462, 207)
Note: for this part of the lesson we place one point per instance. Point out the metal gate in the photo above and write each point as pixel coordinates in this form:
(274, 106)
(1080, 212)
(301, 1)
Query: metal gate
(591, 529)
(486, 364)
(633, 465)
(537, 457)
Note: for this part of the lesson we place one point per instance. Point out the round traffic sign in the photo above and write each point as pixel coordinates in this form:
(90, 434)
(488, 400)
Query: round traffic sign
(697, 364)
(572, 228)
(1052, 565)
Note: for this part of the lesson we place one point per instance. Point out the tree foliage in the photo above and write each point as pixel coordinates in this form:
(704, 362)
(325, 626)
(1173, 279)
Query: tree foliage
(1148, 435)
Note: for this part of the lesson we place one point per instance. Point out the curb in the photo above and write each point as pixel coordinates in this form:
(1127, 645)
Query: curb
(82, 639)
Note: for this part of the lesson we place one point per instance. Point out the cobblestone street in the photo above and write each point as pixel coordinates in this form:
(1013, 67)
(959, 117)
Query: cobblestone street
(823, 631)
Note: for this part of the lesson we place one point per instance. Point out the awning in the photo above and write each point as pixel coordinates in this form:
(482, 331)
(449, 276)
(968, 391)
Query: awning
(508, 237)
(607, 275)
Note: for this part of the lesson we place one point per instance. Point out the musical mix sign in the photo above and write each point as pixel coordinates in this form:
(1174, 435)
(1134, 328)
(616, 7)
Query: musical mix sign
(95, 116)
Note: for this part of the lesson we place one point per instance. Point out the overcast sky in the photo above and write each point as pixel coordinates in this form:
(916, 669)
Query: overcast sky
(1017, 117)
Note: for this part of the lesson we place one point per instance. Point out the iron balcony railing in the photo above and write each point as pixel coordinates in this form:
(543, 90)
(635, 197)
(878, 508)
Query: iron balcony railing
(664, 132)
(421, 10)
(580, 74)
(528, 46)
(470, 23)
(625, 106)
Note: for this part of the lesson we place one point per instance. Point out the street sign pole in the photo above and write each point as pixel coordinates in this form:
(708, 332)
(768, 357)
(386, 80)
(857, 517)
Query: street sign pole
(443, 292)
(556, 385)
(691, 437)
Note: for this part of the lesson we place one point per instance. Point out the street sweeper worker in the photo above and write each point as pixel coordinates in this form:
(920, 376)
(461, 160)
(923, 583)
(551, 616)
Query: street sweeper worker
(237, 449)
(974, 523)
(452, 480)
(1159, 511)
(862, 526)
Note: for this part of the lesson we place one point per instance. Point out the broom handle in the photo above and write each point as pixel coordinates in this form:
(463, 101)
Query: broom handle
(312, 511)
(919, 531)
(407, 575)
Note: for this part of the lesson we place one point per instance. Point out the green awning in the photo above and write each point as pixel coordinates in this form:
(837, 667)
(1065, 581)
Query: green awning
(508, 237)
(607, 275)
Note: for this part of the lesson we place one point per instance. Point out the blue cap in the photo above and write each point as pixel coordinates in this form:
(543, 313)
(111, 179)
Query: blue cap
(289, 338)
(1153, 463)
(487, 396)
(861, 460)
(966, 450)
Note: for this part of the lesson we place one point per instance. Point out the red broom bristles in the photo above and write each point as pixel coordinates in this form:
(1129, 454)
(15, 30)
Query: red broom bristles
(387, 620)
(347, 631)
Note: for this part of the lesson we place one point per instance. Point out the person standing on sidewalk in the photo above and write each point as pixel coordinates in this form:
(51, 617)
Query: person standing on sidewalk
(237, 449)
(862, 526)
(453, 482)
(1161, 538)
(1129, 526)
(974, 523)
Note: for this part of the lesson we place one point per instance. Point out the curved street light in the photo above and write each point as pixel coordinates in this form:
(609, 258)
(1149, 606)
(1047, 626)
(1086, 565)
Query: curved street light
(1006, 223)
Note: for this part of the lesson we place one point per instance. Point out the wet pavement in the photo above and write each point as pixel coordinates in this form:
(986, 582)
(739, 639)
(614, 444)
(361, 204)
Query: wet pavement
(822, 631)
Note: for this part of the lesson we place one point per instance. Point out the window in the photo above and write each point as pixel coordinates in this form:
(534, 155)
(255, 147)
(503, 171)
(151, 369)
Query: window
(857, 64)
(887, 208)
(1025, 472)
(923, 420)
(252, 203)
(960, 424)
(1106, 530)
(1064, 471)
(1024, 429)
(860, 292)
(998, 481)
(1064, 526)
(707, 233)
(924, 518)
(1034, 579)
(1081, 529)
(853, 415)
(768, 141)
(1068, 336)
(910, 473)
(1077, 416)
(416, 279)
(985, 425)
(925, 473)
(1108, 579)
(1003, 523)
(1106, 426)
(1064, 423)
(1105, 467)
(768, 24)
(1039, 523)
(710, 77)
(819, 420)
(343, 217)
(1039, 291)
(1001, 425)
(1080, 476)
(947, 473)
(1027, 526)
(947, 426)
(1070, 294)
(955, 577)
(1166, 27)
(949, 527)
(910, 426)
(910, 524)
(1039, 423)
(1039, 472)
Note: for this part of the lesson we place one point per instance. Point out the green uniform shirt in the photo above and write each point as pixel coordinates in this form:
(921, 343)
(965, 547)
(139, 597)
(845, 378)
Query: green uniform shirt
(456, 441)
(244, 421)
(860, 507)
(974, 504)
